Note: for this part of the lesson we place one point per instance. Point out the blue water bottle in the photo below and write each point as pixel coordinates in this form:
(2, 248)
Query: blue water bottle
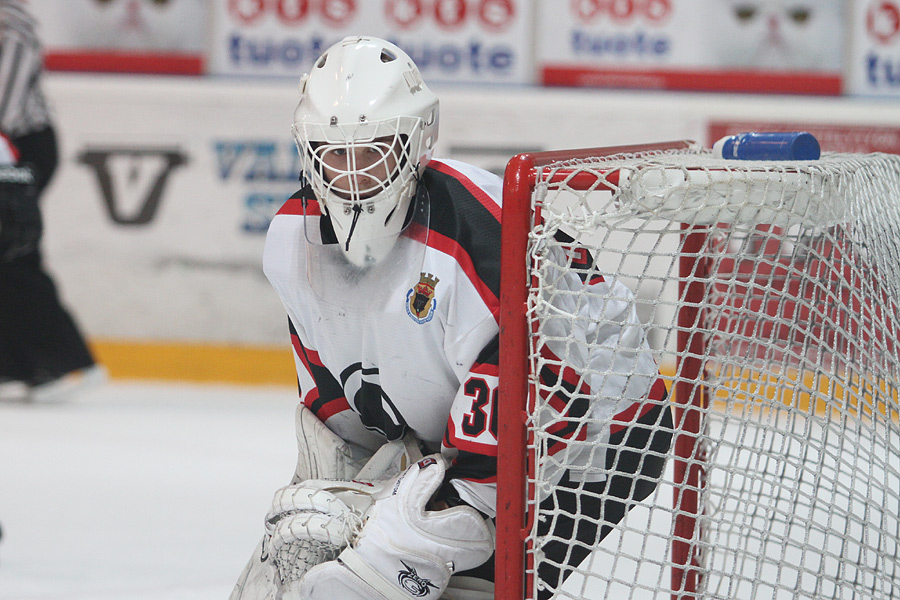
(795, 145)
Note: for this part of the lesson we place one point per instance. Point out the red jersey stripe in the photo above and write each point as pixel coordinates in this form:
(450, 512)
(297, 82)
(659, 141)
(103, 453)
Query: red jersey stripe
(294, 206)
(452, 248)
(633, 413)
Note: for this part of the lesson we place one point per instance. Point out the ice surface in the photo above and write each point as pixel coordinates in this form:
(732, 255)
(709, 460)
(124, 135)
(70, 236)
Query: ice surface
(139, 491)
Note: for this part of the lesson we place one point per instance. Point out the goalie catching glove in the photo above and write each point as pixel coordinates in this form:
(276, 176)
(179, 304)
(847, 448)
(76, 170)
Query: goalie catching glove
(20, 216)
(314, 518)
(312, 522)
(404, 550)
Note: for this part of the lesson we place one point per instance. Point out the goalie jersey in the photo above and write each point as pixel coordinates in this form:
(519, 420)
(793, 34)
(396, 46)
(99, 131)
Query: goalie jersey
(410, 344)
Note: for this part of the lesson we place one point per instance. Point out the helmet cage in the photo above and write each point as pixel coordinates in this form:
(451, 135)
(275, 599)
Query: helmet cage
(364, 173)
(389, 166)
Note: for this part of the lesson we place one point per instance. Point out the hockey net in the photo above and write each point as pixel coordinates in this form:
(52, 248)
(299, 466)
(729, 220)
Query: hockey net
(769, 296)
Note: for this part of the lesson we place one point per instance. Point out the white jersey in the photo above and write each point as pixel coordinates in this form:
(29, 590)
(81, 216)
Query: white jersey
(411, 345)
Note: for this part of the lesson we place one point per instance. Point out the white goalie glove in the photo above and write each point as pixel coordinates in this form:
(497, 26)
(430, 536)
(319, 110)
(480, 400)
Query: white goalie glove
(312, 522)
(404, 550)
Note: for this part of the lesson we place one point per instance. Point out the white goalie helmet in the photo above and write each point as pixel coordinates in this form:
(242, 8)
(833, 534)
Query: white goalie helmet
(365, 128)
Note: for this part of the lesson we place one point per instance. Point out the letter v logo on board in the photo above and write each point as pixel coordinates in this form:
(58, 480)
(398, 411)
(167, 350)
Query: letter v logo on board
(132, 180)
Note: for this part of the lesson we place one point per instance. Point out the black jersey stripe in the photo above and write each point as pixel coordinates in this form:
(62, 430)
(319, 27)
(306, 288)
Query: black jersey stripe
(451, 248)
(647, 439)
(327, 398)
(479, 194)
(560, 434)
(473, 467)
(657, 395)
(582, 261)
(457, 214)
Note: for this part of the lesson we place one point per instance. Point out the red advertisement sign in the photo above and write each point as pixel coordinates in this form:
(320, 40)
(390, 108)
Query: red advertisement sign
(832, 138)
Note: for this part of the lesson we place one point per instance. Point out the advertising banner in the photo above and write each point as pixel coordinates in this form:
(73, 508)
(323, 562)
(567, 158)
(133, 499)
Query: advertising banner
(874, 65)
(471, 41)
(129, 36)
(156, 220)
(715, 45)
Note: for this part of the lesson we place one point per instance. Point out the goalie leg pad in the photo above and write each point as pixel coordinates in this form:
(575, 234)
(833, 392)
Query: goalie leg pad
(321, 454)
(259, 579)
(468, 588)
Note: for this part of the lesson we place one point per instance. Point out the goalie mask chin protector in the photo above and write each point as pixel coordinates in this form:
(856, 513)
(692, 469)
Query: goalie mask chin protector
(344, 284)
(365, 129)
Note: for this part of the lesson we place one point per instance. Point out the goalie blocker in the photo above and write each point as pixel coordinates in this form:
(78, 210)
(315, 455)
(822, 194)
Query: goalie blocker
(405, 549)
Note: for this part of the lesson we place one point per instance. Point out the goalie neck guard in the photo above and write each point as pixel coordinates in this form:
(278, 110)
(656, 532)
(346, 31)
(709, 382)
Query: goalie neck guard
(365, 128)
(341, 282)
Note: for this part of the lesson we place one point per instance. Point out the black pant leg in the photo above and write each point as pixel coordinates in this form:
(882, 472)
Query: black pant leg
(39, 340)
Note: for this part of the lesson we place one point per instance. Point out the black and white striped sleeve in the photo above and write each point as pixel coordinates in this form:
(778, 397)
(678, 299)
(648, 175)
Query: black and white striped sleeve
(22, 106)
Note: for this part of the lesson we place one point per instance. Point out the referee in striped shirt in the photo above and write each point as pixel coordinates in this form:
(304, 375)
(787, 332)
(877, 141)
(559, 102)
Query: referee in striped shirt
(42, 352)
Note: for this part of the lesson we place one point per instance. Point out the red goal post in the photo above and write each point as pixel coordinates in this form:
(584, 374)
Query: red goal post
(784, 321)
(521, 176)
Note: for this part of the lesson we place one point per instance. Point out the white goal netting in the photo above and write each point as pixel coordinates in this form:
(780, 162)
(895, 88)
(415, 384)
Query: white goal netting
(769, 296)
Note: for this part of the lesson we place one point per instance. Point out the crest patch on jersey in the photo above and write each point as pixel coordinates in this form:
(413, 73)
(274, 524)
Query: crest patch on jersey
(420, 302)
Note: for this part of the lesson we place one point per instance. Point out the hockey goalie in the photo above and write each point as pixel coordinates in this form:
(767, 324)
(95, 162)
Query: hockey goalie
(387, 262)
